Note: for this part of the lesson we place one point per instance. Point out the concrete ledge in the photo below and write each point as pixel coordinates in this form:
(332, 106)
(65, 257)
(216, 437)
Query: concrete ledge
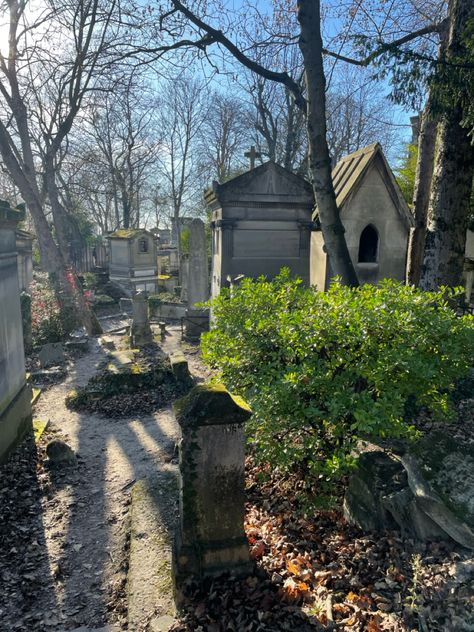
(15, 421)
(154, 515)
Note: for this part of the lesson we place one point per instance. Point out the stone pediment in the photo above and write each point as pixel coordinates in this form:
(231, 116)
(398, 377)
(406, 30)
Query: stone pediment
(269, 183)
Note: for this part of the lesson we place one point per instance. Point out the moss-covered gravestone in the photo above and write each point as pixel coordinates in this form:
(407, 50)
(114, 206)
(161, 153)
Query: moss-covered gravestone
(211, 538)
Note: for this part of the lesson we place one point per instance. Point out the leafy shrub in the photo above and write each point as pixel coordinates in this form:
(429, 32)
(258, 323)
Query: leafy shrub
(324, 369)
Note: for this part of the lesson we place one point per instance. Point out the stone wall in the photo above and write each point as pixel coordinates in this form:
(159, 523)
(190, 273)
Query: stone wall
(15, 396)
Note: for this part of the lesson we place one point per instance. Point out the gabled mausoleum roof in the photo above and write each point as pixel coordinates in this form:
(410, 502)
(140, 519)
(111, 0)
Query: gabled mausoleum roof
(348, 175)
(266, 183)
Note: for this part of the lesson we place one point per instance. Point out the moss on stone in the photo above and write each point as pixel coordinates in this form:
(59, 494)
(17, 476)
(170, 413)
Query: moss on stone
(211, 404)
(126, 233)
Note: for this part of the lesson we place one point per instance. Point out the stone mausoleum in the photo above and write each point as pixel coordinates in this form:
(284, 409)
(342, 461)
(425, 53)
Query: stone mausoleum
(133, 260)
(15, 393)
(376, 218)
(261, 222)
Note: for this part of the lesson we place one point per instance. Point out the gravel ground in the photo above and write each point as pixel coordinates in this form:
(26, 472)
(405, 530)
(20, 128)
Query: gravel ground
(64, 533)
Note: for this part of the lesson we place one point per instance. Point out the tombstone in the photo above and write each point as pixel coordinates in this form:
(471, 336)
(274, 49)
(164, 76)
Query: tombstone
(197, 318)
(15, 393)
(210, 538)
(376, 218)
(140, 333)
(261, 222)
(133, 259)
(51, 354)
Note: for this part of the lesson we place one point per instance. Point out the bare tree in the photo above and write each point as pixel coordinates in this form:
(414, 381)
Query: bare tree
(121, 127)
(42, 88)
(181, 116)
(224, 137)
(358, 114)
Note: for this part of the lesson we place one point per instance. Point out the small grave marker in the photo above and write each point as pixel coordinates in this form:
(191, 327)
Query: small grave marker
(51, 354)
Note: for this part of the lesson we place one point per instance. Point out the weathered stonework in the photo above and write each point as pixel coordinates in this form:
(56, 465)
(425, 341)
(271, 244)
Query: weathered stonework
(261, 222)
(179, 366)
(15, 394)
(140, 333)
(211, 538)
(197, 318)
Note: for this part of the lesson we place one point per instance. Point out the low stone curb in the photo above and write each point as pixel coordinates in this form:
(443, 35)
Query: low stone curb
(154, 514)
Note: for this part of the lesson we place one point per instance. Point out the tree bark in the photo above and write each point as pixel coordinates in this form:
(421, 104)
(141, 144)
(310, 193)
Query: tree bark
(319, 160)
(452, 180)
(421, 196)
(59, 212)
(449, 206)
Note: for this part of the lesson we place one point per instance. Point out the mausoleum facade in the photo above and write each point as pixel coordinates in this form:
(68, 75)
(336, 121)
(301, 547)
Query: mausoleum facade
(376, 218)
(261, 222)
(133, 260)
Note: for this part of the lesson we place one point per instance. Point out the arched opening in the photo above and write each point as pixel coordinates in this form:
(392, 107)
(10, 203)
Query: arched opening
(368, 245)
(143, 245)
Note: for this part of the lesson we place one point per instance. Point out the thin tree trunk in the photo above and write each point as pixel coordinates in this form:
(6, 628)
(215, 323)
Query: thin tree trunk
(451, 186)
(421, 196)
(319, 159)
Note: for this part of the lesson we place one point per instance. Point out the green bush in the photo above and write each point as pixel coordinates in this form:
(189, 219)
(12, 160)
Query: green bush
(322, 370)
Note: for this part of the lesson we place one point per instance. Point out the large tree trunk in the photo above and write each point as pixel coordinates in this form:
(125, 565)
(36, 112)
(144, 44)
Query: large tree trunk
(421, 196)
(452, 180)
(59, 212)
(319, 159)
(449, 206)
(423, 178)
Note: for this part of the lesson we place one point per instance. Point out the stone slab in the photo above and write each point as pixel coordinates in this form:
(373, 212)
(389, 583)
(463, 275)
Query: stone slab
(107, 342)
(154, 515)
(51, 354)
(81, 345)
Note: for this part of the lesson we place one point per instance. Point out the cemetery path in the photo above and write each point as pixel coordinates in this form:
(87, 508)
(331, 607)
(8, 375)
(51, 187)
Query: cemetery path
(85, 515)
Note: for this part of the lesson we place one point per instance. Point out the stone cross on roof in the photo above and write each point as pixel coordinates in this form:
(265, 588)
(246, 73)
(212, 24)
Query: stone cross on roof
(252, 154)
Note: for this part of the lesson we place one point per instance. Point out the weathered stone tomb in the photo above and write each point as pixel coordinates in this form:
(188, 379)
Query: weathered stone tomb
(261, 222)
(133, 260)
(376, 218)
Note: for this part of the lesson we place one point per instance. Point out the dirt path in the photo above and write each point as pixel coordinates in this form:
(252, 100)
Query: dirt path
(85, 509)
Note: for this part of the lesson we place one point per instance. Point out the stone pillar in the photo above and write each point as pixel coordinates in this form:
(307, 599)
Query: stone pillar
(197, 319)
(140, 333)
(210, 538)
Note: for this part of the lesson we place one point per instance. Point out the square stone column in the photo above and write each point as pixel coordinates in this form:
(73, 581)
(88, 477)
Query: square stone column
(211, 538)
(197, 319)
(140, 333)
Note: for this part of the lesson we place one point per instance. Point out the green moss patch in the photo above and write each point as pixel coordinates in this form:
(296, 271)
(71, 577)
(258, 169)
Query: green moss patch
(143, 386)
